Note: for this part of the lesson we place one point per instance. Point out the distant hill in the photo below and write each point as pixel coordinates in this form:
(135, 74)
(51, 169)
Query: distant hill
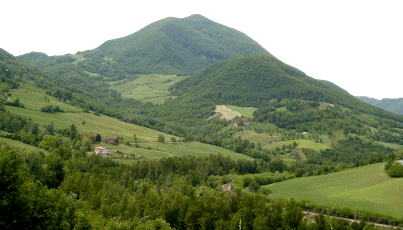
(388, 104)
(178, 45)
(253, 80)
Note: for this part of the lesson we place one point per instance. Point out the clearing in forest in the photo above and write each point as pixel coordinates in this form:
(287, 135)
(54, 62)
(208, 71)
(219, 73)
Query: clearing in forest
(227, 113)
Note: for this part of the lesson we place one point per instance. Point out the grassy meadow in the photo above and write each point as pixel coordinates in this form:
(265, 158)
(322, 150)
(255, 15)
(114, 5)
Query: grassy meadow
(107, 127)
(147, 88)
(366, 188)
(244, 111)
(227, 113)
(156, 150)
(22, 147)
(34, 98)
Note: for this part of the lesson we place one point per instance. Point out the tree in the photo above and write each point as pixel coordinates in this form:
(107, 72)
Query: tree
(50, 129)
(173, 139)
(294, 144)
(161, 138)
(293, 215)
(54, 171)
(25, 202)
(34, 128)
(98, 138)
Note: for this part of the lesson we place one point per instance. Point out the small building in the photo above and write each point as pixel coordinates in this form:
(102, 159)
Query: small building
(246, 121)
(111, 141)
(103, 151)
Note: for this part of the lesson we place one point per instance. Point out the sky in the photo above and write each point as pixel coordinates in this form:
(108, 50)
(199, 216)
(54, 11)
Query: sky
(358, 45)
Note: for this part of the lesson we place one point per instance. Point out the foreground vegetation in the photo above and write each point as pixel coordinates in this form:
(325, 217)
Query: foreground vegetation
(171, 193)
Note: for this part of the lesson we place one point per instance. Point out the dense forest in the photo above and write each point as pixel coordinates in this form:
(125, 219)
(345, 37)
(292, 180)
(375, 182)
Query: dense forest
(394, 105)
(172, 193)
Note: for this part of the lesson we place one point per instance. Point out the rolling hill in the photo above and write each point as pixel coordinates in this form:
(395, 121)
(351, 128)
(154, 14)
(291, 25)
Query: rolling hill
(388, 104)
(366, 188)
(253, 80)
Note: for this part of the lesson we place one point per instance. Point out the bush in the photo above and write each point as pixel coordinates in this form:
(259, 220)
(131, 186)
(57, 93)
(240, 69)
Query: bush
(395, 170)
(51, 109)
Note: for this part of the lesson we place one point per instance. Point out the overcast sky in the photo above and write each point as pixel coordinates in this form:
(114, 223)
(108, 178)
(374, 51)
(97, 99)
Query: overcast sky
(357, 45)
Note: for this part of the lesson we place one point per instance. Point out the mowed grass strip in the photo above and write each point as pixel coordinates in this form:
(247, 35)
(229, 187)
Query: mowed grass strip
(365, 188)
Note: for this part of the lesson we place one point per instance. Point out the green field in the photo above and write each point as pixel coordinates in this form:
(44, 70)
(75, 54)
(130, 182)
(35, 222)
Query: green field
(229, 112)
(272, 142)
(155, 150)
(365, 188)
(110, 127)
(34, 98)
(244, 111)
(23, 148)
(147, 88)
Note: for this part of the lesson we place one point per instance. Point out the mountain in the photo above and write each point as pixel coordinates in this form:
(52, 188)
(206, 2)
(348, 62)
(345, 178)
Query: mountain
(388, 104)
(178, 45)
(254, 80)
(333, 85)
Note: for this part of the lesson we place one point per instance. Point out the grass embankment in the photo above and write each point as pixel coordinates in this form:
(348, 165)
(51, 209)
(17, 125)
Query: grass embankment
(365, 188)
(147, 88)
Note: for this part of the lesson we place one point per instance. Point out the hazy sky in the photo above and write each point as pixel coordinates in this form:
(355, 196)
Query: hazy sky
(357, 45)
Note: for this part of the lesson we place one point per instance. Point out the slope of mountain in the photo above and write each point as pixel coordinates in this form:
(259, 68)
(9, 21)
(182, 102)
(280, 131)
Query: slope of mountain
(333, 85)
(388, 104)
(175, 45)
(254, 80)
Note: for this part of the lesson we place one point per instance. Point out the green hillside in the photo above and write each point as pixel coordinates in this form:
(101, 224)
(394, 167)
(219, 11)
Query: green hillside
(33, 100)
(147, 88)
(366, 188)
(254, 80)
(388, 104)
(175, 45)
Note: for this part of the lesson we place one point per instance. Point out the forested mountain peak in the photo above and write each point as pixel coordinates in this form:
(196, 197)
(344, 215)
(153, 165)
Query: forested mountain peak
(4, 55)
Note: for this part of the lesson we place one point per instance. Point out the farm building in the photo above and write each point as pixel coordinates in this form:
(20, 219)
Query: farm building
(103, 151)
(246, 121)
(111, 141)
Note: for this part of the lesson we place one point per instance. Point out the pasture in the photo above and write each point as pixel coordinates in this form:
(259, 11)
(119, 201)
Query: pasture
(110, 127)
(227, 113)
(34, 98)
(274, 141)
(22, 147)
(156, 150)
(147, 88)
(244, 111)
(363, 188)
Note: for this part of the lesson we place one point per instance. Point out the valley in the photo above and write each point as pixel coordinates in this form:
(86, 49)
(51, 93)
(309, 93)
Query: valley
(203, 129)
